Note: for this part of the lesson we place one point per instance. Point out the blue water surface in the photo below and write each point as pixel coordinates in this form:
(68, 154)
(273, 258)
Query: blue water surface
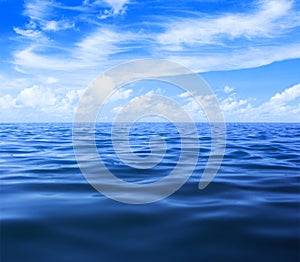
(250, 212)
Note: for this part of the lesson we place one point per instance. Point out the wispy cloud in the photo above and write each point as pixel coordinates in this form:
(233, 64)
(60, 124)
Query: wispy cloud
(41, 14)
(38, 9)
(54, 25)
(247, 57)
(34, 35)
(100, 44)
(188, 41)
(92, 50)
(269, 20)
(232, 40)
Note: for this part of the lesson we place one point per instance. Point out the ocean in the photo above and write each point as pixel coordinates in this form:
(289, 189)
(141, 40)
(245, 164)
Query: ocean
(249, 212)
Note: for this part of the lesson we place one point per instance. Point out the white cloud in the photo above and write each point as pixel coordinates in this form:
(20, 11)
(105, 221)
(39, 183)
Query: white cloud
(36, 96)
(232, 103)
(118, 7)
(151, 107)
(200, 107)
(58, 25)
(42, 98)
(280, 107)
(228, 89)
(184, 95)
(46, 52)
(117, 109)
(105, 46)
(197, 109)
(239, 58)
(13, 84)
(7, 101)
(40, 103)
(67, 103)
(31, 34)
(284, 106)
(51, 26)
(41, 14)
(38, 9)
(120, 94)
(51, 80)
(92, 50)
(270, 19)
(30, 58)
(99, 44)
(157, 106)
(286, 96)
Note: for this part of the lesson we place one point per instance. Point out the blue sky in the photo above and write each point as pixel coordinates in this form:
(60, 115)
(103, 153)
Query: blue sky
(247, 51)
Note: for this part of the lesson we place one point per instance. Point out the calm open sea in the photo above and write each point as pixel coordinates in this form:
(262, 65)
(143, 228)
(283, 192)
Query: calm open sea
(250, 212)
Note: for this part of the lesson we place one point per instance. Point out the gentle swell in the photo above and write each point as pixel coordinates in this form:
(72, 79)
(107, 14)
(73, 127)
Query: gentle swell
(250, 212)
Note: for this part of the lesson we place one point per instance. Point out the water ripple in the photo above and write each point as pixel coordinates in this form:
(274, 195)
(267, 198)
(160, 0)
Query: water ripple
(249, 212)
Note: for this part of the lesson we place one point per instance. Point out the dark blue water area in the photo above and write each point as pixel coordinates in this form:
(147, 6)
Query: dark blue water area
(250, 211)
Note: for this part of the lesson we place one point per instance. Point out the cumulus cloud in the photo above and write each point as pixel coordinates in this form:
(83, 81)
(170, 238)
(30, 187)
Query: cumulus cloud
(283, 106)
(184, 95)
(199, 107)
(7, 101)
(36, 96)
(228, 89)
(67, 103)
(280, 107)
(51, 80)
(120, 94)
(11, 83)
(42, 99)
(151, 107)
(233, 104)
(118, 7)
(286, 96)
